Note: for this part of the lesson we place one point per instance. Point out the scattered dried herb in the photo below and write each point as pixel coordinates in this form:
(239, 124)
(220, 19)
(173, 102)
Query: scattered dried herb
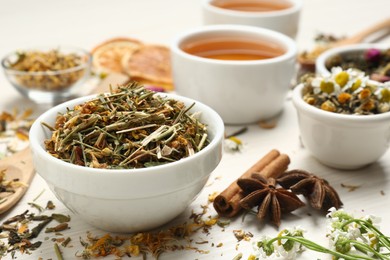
(37, 230)
(35, 205)
(242, 235)
(267, 124)
(50, 205)
(57, 250)
(58, 228)
(14, 128)
(20, 238)
(66, 242)
(60, 217)
(346, 92)
(131, 127)
(178, 237)
(350, 187)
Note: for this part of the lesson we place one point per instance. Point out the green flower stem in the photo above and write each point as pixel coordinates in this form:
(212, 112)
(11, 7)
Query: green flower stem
(367, 225)
(364, 248)
(316, 247)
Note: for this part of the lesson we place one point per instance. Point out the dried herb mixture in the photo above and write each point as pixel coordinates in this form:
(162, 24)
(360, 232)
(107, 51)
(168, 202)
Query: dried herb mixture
(346, 92)
(44, 67)
(373, 62)
(14, 128)
(19, 234)
(179, 237)
(131, 127)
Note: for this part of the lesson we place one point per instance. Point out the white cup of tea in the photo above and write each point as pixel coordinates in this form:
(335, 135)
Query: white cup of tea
(278, 15)
(243, 72)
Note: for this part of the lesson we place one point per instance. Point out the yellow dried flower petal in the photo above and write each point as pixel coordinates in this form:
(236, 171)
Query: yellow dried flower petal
(235, 139)
(310, 100)
(365, 93)
(252, 257)
(327, 87)
(107, 151)
(368, 105)
(133, 250)
(385, 95)
(212, 196)
(344, 97)
(342, 78)
(356, 84)
(211, 222)
(328, 106)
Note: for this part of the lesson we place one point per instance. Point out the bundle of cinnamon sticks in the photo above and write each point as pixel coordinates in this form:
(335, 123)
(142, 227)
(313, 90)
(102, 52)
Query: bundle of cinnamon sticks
(272, 165)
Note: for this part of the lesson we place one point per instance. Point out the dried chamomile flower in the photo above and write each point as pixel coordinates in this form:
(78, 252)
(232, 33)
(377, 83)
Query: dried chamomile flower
(347, 92)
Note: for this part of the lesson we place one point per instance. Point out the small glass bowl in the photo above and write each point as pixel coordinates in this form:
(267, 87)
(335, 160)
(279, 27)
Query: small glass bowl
(48, 86)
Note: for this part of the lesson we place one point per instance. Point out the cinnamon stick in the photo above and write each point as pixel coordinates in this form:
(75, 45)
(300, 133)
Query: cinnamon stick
(273, 164)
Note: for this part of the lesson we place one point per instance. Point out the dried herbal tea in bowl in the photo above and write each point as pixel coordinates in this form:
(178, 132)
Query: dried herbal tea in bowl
(132, 127)
(374, 62)
(346, 92)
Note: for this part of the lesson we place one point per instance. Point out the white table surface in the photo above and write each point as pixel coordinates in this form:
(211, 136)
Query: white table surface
(87, 23)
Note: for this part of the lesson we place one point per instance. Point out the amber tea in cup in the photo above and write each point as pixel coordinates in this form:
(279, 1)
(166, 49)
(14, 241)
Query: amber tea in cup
(242, 72)
(232, 48)
(252, 5)
(277, 15)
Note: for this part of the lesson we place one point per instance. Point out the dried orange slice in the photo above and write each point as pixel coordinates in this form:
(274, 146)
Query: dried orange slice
(108, 56)
(152, 63)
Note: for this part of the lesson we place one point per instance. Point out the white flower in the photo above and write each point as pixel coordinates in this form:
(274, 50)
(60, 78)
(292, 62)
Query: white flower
(353, 233)
(330, 212)
(374, 219)
(261, 248)
(316, 84)
(290, 254)
(233, 144)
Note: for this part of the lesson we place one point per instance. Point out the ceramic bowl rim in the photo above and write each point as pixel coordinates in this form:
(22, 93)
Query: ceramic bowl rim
(323, 57)
(281, 39)
(296, 7)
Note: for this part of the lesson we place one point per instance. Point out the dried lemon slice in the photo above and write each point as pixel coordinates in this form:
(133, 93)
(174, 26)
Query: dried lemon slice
(151, 63)
(107, 57)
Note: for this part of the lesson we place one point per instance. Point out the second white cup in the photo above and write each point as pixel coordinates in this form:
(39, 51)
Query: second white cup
(278, 15)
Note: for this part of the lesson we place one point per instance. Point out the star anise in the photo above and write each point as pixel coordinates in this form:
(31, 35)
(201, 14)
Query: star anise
(271, 201)
(318, 191)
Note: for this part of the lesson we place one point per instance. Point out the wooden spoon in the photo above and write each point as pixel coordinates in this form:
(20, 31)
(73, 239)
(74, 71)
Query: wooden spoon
(307, 60)
(20, 165)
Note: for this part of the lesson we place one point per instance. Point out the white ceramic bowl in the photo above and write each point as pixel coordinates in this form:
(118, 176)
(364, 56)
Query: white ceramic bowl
(128, 200)
(342, 141)
(355, 50)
